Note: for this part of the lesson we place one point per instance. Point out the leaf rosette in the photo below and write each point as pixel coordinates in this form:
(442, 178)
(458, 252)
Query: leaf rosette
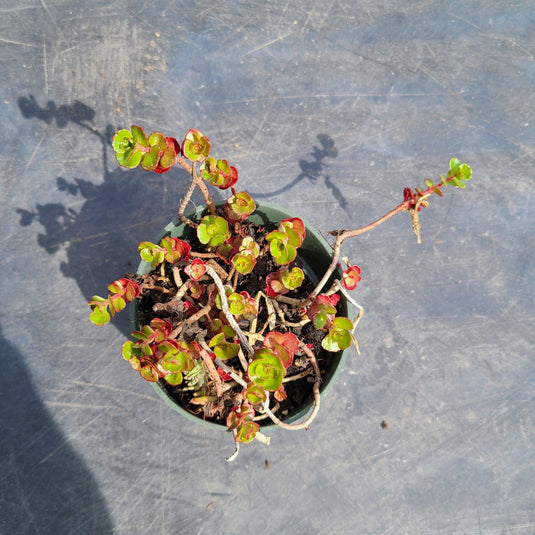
(266, 369)
(284, 242)
(339, 336)
(213, 230)
(196, 146)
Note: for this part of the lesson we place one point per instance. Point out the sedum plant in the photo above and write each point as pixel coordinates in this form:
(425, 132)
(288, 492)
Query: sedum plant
(230, 318)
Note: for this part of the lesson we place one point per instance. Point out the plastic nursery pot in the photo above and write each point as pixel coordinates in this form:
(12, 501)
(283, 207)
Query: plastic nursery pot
(316, 255)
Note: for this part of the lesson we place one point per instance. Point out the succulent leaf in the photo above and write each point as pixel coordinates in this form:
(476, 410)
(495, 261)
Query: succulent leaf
(350, 277)
(266, 369)
(239, 206)
(196, 147)
(213, 230)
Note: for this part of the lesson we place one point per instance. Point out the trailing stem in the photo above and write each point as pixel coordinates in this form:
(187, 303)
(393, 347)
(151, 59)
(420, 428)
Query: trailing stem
(412, 202)
(196, 181)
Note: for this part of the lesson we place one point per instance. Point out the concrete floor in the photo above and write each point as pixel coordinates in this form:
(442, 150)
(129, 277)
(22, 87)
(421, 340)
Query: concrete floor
(447, 339)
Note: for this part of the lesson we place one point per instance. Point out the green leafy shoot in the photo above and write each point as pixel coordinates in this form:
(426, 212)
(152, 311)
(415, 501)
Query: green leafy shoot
(266, 369)
(323, 310)
(120, 292)
(223, 349)
(196, 146)
(339, 336)
(255, 394)
(241, 419)
(284, 242)
(284, 280)
(283, 345)
(196, 269)
(170, 249)
(244, 260)
(239, 206)
(458, 173)
(219, 173)
(213, 230)
(242, 305)
(155, 153)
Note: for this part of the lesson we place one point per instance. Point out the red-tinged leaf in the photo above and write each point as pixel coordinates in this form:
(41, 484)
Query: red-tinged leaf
(350, 277)
(116, 304)
(169, 155)
(255, 394)
(149, 373)
(196, 290)
(196, 146)
(284, 345)
(295, 229)
(239, 206)
(195, 269)
(149, 161)
(246, 431)
(233, 418)
(280, 394)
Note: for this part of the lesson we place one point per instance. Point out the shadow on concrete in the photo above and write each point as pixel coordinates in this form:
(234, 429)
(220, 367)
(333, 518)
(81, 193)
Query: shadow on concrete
(100, 236)
(313, 170)
(45, 487)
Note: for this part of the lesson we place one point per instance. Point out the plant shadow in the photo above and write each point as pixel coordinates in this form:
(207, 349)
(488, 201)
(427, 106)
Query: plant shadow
(315, 169)
(45, 486)
(99, 225)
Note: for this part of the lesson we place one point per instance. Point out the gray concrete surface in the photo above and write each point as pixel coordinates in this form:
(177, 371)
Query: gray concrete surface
(448, 336)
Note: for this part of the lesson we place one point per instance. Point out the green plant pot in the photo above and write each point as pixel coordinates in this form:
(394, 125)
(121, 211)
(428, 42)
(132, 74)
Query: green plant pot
(315, 253)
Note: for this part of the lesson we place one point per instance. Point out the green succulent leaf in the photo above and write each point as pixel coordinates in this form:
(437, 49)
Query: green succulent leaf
(292, 279)
(239, 206)
(266, 369)
(99, 315)
(175, 378)
(196, 147)
(116, 304)
(246, 431)
(244, 262)
(223, 349)
(255, 394)
(176, 360)
(157, 139)
(454, 164)
(149, 373)
(320, 319)
(213, 230)
(130, 158)
(123, 141)
(343, 323)
(131, 352)
(150, 159)
(295, 229)
(128, 350)
(236, 303)
(280, 248)
(139, 136)
(339, 336)
(150, 252)
(465, 172)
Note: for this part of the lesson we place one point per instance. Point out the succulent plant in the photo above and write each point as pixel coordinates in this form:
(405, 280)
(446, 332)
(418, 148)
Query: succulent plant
(230, 336)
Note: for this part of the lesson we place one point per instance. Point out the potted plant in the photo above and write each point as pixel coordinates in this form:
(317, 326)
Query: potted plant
(242, 313)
